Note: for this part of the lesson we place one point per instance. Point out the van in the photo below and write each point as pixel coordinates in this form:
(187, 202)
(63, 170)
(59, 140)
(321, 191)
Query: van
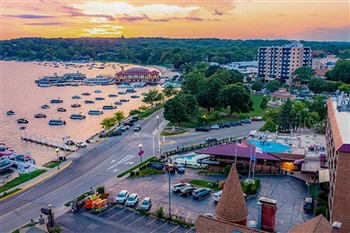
(169, 167)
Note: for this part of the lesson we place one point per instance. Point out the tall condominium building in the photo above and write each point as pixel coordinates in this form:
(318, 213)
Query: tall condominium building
(338, 154)
(280, 62)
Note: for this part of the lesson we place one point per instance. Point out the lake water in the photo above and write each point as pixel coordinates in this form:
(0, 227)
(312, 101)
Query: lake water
(20, 93)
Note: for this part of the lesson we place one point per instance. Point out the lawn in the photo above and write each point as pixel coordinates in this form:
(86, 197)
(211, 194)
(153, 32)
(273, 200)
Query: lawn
(9, 193)
(52, 164)
(21, 179)
(256, 105)
(150, 111)
(152, 159)
(205, 184)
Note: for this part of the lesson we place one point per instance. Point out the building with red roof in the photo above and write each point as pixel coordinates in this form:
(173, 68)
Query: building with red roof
(137, 75)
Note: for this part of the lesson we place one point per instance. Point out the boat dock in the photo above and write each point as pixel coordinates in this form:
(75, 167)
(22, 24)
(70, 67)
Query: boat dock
(47, 143)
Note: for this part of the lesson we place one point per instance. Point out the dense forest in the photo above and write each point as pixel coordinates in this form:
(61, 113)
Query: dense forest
(149, 50)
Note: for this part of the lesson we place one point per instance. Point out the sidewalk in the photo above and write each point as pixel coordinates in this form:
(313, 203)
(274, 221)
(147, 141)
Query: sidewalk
(30, 183)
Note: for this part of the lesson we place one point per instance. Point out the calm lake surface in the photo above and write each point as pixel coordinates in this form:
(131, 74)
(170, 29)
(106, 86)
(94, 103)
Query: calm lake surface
(21, 94)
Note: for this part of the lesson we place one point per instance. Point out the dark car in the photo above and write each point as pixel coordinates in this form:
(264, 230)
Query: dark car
(179, 168)
(239, 123)
(246, 121)
(134, 119)
(309, 204)
(128, 123)
(221, 125)
(70, 143)
(186, 192)
(233, 123)
(211, 139)
(228, 125)
(203, 128)
(116, 133)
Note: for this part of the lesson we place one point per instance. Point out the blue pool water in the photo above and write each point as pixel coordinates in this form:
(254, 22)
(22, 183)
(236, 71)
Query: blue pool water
(270, 146)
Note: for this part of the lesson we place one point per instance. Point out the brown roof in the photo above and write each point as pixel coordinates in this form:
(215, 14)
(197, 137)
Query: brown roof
(288, 157)
(318, 224)
(210, 225)
(232, 206)
(334, 126)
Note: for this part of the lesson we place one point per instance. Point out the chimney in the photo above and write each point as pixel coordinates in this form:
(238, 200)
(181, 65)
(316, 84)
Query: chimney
(336, 227)
(267, 214)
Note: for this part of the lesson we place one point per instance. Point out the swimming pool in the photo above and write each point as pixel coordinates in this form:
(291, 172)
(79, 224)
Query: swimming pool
(269, 146)
(190, 159)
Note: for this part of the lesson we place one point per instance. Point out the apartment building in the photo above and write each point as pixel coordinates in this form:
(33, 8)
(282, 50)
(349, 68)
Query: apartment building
(338, 156)
(280, 62)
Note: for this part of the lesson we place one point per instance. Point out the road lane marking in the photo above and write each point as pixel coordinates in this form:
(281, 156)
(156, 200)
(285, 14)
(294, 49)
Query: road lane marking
(113, 161)
(148, 223)
(116, 213)
(137, 220)
(127, 216)
(159, 227)
(122, 161)
(107, 211)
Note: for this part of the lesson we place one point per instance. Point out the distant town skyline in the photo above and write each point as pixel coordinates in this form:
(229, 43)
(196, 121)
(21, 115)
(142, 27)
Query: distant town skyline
(244, 19)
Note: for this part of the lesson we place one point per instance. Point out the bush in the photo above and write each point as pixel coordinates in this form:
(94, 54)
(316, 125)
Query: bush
(160, 212)
(227, 169)
(101, 189)
(322, 209)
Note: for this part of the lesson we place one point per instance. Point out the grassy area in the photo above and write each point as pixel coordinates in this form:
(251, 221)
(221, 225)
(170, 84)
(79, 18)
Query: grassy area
(152, 159)
(21, 179)
(9, 193)
(148, 171)
(52, 164)
(256, 105)
(150, 111)
(205, 184)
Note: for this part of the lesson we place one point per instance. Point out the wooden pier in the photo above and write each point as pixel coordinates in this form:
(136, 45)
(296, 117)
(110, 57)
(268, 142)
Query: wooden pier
(45, 142)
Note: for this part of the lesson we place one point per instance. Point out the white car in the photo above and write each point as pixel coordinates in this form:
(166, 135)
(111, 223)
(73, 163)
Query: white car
(146, 204)
(217, 196)
(81, 144)
(122, 196)
(214, 127)
(176, 188)
(132, 200)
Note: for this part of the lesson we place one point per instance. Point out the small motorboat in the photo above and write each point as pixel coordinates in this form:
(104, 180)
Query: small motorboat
(121, 92)
(135, 96)
(89, 102)
(130, 90)
(124, 100)
(98, 91)
(76, 105)
(56, 101)
(10, 113)
(45, 106)
(22, 160)
(112, 95)
(22, 128)
(40, 115)
(95, 112)
(118, 103)
(22, 121)
(77, 117)
(108, 107)
(57, 122)
(86, 93)
(76, 97)
(61, 110)
(99, 98)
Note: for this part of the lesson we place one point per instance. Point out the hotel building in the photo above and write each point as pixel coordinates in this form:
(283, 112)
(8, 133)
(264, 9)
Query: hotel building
(280, 62)
(338, 155)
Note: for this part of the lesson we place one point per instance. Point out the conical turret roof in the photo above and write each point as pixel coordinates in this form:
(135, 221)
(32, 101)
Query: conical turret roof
(232, 206)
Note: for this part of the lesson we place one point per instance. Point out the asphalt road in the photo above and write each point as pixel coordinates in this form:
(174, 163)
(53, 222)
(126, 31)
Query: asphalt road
(93, 165)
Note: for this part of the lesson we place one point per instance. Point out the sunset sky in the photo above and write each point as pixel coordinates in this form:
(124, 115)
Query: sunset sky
(245, 19)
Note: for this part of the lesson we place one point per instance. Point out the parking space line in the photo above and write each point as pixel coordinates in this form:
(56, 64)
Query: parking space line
(106, 211)
(116, 213)
(159, 227)
(137, 220)
(176, 211)
(127, 216)
(148, 223)
(189, 230)
(189, 213)
(174, 229)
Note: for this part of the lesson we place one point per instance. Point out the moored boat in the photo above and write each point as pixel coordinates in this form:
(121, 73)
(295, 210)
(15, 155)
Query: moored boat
(22, 128)
(112, 95)
(118, 103)
(121, 92)
(75, 97)
(10, 113)
(45, 106)
(89, 102)
(98, 91)
(99, 98)
(135, 96)
(108, 107)
(61, 110)
(95, 112)
(5, 164)
(76, 105)
(40, 115)
(57, 122)
(124, 100)
(77, 117)
(56, 101)
(22, 121)
(86, 93)
(130, 90)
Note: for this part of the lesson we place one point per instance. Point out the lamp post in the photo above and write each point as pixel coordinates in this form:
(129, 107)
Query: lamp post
(57, 151)
(169, 192)
(140, 152)
(157, 122)
(153, 144)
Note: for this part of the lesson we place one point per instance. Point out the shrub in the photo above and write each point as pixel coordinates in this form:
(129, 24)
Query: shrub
(322, 209)
(160, 212)
(227, 169)
(100, 189)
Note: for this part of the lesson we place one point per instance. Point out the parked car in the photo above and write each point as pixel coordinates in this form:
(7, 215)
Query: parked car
(217, 196)
(221, 125)
(122, 196)
(180, 168)
(132, 200)
(81, 144)
(128, 123)
(137, 128)
(201, 192)
(211, 139)
(215, 127)
(176, 188)
(239, 123)
(246, 121)
(186, 192)
(70, 143)
(227, 125)
(122, 128)
(203, 128)
(309, 204)
(233, 123)
(146, 204)
(257, 118)
(116, 133)
(169, 167)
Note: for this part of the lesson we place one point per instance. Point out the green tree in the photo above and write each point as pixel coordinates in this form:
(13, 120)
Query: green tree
(134, 112)
(119, 116)
(303, 74)
(191, 82)
(108, 123)
(345, 88)
(272, 114)
(208, 95)
(237, 97)
(170, 91)
(317, 85)
(269, 125)
(174, 111)
(340, 72)
(190, 103)
(228, 76)
(284, 117)
(151, 97)
(211, 70)
(319, 105)
(273, 86)
(264, 101)
(142, 108)
(257, 86)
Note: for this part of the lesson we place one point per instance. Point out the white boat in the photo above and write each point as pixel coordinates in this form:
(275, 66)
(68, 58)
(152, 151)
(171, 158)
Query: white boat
(99, 80)
(5, 164)
(95, 112)
(10, 113)
(77, 117)
(108, 107)
(123, 86)
(57, 122)
(22, 161)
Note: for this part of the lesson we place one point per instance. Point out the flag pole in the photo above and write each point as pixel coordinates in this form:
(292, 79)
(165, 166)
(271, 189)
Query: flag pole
(236, 154)
(250, 160)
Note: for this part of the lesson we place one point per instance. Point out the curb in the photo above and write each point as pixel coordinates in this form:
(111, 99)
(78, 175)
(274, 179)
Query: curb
(176, 135)
(37, 182)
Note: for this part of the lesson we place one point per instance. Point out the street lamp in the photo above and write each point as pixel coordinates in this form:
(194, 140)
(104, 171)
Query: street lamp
(140, 152)
(157, 122)
(57, 151)
(169, 192)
